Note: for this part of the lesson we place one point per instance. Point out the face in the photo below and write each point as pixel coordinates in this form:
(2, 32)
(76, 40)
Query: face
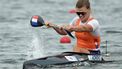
(83, 13)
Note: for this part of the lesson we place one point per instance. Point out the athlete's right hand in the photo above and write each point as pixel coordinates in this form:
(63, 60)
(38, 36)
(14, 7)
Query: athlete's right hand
(48, 24)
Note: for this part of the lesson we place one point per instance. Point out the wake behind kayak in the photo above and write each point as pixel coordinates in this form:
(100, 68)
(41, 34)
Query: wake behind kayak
(65, 59)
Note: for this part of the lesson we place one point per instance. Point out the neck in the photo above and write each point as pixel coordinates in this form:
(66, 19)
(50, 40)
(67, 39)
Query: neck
(84, 21)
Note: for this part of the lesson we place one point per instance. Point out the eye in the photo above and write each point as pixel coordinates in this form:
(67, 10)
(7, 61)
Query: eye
(80, 14)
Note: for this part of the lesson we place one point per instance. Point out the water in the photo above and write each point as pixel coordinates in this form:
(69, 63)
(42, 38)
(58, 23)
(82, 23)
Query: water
(20, 42)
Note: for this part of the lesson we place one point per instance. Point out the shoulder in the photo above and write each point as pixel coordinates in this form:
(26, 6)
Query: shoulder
(74, 20)
(94, 23)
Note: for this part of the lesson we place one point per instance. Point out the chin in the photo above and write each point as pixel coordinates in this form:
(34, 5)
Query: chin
(82, 19)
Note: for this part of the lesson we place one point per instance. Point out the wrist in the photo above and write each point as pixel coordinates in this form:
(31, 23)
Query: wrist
(47, 24)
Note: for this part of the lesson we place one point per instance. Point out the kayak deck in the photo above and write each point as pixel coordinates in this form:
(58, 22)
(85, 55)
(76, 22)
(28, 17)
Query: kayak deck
(65, 59)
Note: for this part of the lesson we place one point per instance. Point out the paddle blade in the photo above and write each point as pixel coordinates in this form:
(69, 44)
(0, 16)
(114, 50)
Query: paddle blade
(37, 21)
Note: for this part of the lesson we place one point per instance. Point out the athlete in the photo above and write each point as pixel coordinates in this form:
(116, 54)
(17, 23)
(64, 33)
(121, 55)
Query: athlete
(86, 28)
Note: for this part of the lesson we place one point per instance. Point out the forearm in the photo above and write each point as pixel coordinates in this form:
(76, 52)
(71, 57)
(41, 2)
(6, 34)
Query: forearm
(60, 31)
(57, 29)
(82, 28)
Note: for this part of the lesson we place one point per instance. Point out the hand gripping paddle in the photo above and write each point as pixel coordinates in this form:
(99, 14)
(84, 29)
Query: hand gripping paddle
(37, 21)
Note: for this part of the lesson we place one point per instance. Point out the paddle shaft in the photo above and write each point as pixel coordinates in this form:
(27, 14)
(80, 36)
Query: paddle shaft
(37, 21)
(56, 26)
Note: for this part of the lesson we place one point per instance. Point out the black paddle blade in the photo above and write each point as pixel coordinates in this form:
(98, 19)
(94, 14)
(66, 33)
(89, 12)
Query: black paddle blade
(37, 21)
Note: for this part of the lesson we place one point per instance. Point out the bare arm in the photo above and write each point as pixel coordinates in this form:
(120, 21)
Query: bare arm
(57, 28)
(80, 28)
(83, 28)
(60, 31)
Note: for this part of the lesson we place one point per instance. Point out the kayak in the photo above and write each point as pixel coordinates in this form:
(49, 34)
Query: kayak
(65, 59)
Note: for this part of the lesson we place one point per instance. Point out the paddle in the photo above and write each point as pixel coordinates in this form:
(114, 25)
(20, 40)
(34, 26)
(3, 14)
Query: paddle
(37, 21)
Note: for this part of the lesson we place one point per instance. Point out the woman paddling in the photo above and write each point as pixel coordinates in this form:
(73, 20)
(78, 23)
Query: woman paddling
(86, 28)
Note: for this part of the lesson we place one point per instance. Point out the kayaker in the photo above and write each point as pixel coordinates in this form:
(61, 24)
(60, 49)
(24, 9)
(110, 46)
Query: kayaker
(86, 28)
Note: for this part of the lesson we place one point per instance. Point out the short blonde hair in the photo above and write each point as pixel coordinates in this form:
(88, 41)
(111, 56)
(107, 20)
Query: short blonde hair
(82, 3)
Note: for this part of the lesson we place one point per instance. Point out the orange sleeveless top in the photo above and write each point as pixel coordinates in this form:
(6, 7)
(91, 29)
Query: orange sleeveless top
(86, 39)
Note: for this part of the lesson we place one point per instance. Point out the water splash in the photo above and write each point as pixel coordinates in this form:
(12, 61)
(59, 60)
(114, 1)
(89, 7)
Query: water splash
(36, 49)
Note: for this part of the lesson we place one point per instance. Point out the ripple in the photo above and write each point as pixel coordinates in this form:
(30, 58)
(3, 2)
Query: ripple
(21, 59)
(9, 61)
(2, 55)
(112, 32)
(6, 19)
(16, 6)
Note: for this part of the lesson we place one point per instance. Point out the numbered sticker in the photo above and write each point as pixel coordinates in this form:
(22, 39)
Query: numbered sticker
(71, 58)
(95, 57)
